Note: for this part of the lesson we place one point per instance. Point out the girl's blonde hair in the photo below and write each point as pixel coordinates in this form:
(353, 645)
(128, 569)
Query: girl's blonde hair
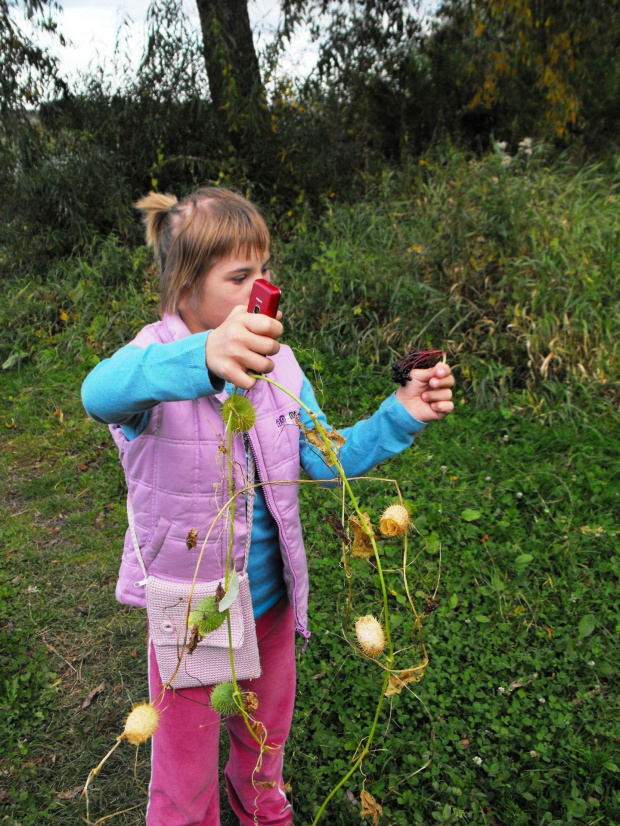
(189, 236)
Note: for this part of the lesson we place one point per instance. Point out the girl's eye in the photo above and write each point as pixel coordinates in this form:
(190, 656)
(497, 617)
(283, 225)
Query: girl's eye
(239, 279)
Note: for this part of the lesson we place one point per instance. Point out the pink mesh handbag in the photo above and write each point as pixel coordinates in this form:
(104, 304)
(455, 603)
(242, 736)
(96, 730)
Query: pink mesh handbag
(167, 610)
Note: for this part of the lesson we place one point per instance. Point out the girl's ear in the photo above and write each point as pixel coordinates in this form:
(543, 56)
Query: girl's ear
(187, 299)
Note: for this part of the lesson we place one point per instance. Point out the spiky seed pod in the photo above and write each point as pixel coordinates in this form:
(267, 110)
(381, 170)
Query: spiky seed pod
(370, 635)
(222, 699)
(238, 413)
(210, 623)
(206, 616)
(394, 521)
(141, 724)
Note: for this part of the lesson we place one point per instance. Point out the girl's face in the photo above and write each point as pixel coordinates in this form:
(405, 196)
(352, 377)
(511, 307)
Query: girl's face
(227, 284)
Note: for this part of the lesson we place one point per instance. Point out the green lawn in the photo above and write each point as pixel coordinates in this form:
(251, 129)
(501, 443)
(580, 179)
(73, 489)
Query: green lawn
(516, 522)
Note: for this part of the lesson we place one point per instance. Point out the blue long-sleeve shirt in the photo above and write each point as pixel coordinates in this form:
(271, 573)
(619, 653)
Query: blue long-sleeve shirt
(124, 389)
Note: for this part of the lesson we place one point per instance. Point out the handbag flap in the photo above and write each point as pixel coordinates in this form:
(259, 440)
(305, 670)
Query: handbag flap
(167, 609)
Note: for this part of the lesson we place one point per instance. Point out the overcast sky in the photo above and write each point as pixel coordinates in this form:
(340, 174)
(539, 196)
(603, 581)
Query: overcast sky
(92, 27)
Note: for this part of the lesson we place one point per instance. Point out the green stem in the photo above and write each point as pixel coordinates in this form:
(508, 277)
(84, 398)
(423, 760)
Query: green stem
(365, 751)
(325, 437)
(390, 656)
(231, 492)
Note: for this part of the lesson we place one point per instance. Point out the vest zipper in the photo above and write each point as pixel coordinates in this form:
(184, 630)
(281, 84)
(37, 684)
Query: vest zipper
(300, 630)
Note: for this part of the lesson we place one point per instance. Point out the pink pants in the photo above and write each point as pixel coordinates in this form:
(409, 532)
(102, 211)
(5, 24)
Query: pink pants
(184, 789)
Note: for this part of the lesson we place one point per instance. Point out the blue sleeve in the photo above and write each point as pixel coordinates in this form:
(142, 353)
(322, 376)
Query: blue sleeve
(387, 432)
(123, 389)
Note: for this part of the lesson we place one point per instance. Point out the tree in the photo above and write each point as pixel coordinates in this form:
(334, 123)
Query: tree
(546, 63)
(232, 64)
(26, 69)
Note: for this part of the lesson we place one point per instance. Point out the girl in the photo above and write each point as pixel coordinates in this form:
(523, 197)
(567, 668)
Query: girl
(161, 395)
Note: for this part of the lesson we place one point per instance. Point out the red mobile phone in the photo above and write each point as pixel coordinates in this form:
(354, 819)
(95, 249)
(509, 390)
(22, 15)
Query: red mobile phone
(264, 298)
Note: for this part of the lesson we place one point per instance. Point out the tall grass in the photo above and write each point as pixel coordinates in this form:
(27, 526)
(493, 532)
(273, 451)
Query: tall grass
(510, 264)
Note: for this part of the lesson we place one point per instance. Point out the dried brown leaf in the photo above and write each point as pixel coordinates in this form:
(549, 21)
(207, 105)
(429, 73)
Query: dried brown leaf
(362, 544)
(92, 695)
(69, 795)
(337, 527)
(399, 679)
(313, 436)
(370, 807)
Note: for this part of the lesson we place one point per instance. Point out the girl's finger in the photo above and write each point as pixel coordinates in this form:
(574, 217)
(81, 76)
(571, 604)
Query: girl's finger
(446, 381)
(441, 370)
(263, 345)
(240, 379)
(437, 395)
(256, 363)
(442, 407)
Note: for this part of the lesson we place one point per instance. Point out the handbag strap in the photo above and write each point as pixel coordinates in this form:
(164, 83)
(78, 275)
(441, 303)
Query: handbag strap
(251, 493)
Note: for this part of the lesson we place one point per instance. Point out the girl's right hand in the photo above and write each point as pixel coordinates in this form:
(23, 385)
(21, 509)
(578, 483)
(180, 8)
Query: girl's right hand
(242, 343)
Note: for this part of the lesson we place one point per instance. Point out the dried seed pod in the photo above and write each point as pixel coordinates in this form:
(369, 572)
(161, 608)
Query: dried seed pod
(259, 729)
(250, 702)
(370, 635)
(238, 413)
(394, 521)
(223, 700)
(192, 539)
(362, 544)
(141, 724)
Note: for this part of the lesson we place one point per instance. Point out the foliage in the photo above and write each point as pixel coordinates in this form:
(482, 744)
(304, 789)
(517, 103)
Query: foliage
(545, 69)
(86, 306)
(386, 89)
(27, 70)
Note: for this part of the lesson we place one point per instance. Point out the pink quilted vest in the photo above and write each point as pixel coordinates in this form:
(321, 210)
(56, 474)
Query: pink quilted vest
(177, 479)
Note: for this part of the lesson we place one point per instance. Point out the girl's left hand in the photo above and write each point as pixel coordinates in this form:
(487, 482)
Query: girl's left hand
(428, 396)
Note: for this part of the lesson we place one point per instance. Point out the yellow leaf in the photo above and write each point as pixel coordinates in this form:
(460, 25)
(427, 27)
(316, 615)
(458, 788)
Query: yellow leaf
(63, 316)
(399, 679)
(362, 544)
(336, 440)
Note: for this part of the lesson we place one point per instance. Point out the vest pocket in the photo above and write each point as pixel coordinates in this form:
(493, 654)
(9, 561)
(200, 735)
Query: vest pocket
(155, 540)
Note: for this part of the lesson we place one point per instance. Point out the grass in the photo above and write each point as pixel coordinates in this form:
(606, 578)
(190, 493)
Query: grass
(525, 513)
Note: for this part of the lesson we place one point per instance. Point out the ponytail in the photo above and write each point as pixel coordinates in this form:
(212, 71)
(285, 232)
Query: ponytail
(155, 208)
